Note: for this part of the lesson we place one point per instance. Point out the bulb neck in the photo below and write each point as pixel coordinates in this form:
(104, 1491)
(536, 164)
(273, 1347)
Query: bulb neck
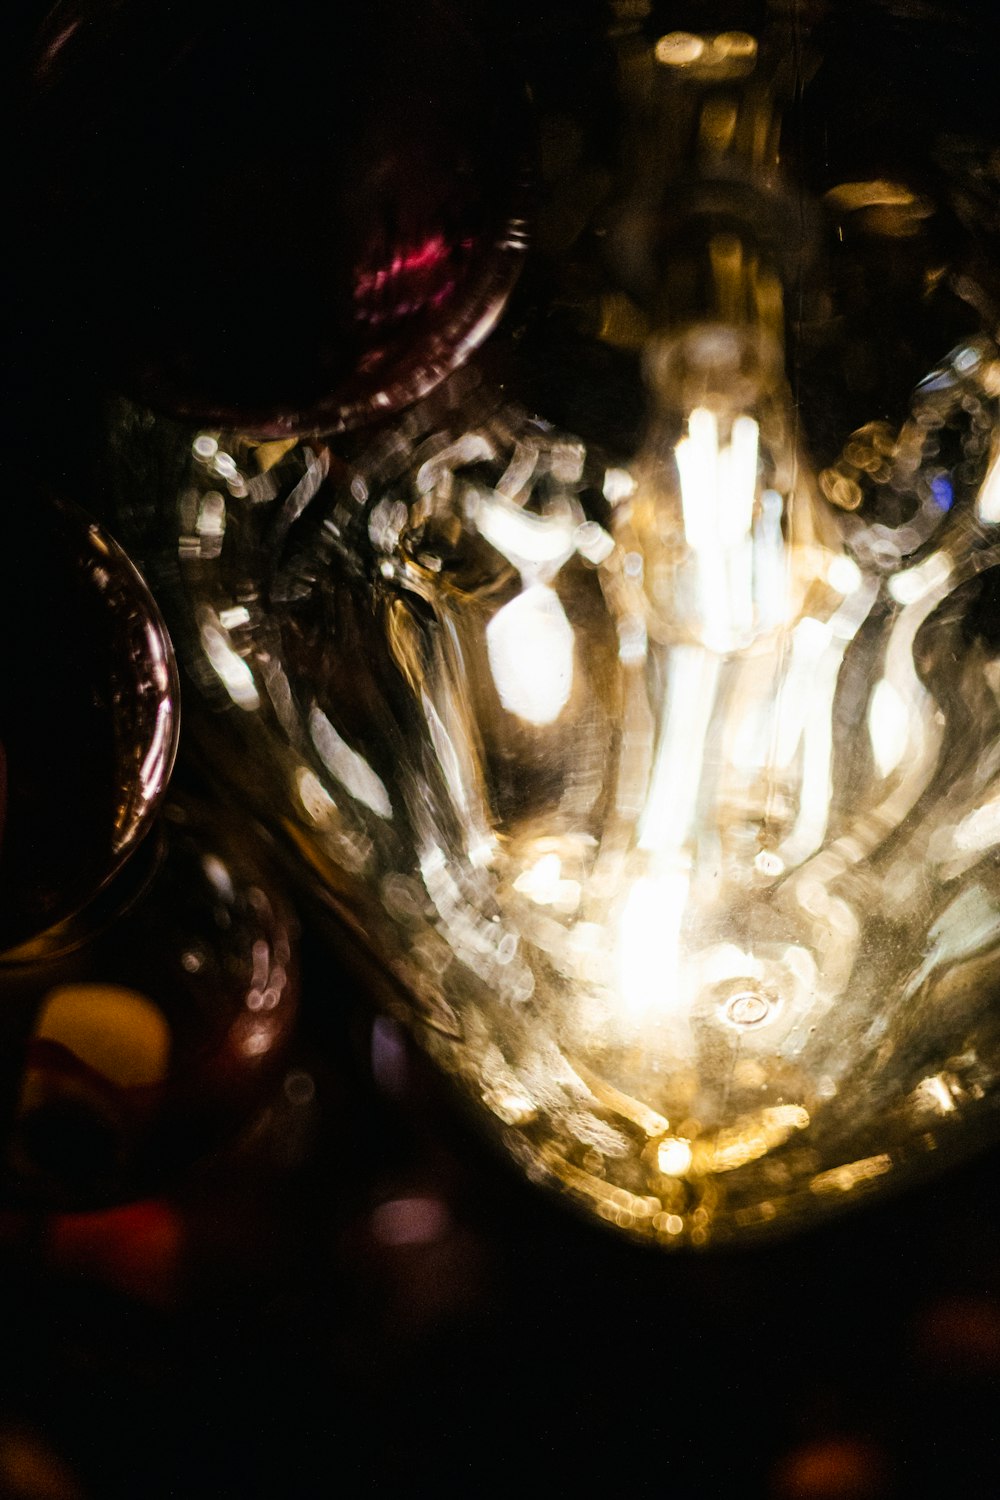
(708, 228)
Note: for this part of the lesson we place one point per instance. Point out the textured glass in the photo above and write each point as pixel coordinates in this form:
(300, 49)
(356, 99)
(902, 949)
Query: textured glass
(661, 782)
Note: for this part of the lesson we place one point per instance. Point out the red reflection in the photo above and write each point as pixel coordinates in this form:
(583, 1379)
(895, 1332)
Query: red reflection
(430, 254)
(413, 280)
(835, 1468)
(137, 1249)
(961, 1333)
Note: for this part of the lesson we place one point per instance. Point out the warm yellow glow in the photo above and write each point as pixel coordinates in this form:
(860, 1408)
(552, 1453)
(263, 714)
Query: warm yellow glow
(674, 1156)
(935, 1093)
(672, 799)
(743, 1143)
(678, 49)
(668, 796)
(649, 948)
(230, 668)
(843, 1179)
(118, 1032)
(545, 885)
(988, 504)
(718, 495)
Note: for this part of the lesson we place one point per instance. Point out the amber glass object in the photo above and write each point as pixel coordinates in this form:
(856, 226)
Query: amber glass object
(659, 778)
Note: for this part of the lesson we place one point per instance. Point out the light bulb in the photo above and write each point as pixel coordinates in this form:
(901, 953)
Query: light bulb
(661, 786)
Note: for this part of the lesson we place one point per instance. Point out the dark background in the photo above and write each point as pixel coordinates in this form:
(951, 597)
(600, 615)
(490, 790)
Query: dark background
(254, 1334)
(253, 1331)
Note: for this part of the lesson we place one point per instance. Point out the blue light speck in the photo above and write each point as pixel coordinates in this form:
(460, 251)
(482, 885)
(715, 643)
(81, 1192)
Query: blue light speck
(941, 489)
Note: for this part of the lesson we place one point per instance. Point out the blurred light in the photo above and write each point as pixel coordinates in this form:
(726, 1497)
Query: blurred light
(232, 619)
(988, 504)
(844, 575)
(843, 1179)
(679, 853)
(544, 883)
(410, 1221)
(530, 647)
(119, 1033)
(138, 1248)
(300, 1088)
(524, 538)
(679, 48)
(348, 767)
(674, 1156)
(935, 1093)
(979, 830)
(913, 584)
(593, 542)
(390, 1066)
(649, 946)
(618, 486)
(888, 727)
(230, 668)
(219, 877)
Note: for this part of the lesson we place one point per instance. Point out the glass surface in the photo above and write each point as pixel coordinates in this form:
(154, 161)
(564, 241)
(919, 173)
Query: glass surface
(150, 1028)
(88, 713)
(659, 772)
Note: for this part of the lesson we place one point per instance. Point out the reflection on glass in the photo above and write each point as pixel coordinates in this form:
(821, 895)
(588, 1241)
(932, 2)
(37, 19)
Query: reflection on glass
(150, 1028)
(664, 785)
(88, 713)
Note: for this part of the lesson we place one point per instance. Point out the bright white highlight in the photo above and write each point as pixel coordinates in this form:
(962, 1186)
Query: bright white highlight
(231, 670)
(649, 947)
(988, 503)
(347, 766)
(529, 643)
(718, 495)
(888, 727)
